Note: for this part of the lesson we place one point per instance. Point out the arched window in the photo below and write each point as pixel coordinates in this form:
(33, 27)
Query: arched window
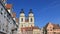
(31, 19)
(21, 19)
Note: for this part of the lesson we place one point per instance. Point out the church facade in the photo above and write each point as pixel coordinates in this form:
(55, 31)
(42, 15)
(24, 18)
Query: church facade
(26, 21)
(26, 24)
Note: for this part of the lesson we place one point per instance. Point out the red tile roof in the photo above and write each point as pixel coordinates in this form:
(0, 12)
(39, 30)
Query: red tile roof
(55, 26)
(8, 6)
(29, 28)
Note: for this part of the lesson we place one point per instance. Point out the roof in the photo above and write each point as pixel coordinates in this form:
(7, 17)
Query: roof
(6, 10)
(13, 14)
(17, 20)
(8, 6)
(29, 28)
(55, 26)
(26, 19)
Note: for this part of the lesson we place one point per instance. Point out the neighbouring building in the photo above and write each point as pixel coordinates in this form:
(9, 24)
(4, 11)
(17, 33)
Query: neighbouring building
(52, 28)
(3, 2)
(13, 14)
(42, 31)
(36, 30)
(8, 24)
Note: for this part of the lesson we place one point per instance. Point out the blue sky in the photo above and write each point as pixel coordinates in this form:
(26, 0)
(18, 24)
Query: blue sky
(44, 10)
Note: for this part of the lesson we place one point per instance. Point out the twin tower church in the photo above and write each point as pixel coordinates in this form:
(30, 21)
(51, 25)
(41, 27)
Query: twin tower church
(26, 21)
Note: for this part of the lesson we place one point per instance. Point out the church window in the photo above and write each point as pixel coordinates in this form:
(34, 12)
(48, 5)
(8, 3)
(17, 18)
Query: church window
(21, 19)
(31, 19)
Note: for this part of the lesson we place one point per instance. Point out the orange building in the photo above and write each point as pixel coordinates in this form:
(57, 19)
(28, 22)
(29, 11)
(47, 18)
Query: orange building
(53, 28)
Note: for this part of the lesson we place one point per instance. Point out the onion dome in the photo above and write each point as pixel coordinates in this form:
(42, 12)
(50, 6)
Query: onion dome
(30, 11)
(22, 11)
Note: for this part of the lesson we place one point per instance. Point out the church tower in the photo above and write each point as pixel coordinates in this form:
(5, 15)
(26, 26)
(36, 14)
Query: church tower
(22, 18)
(21, 21)
(31, 18)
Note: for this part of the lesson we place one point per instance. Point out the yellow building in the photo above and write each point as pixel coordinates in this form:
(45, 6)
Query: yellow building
(36, 31)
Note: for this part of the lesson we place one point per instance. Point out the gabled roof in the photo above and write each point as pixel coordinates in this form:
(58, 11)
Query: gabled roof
(55, 26)
(8, 6)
